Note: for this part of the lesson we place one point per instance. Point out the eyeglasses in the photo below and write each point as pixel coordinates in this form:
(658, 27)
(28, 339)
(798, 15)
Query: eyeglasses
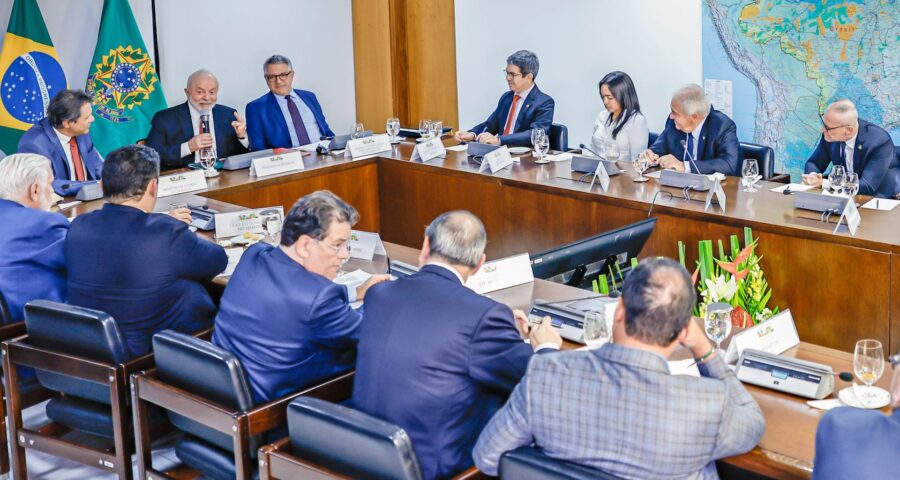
(345, 246)
(511, 74)
(279, 76)
(826, 128)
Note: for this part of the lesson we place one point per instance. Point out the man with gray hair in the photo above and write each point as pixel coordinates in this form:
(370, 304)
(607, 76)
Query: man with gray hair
(859, 147)
(179, 133)
(282, 314)
(697, 137)
(436, 358)
(285, 117)
(32, 259)
(520, 110)
(618, 409)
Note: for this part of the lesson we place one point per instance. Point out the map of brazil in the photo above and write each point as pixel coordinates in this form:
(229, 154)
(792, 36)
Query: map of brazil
(788, 59)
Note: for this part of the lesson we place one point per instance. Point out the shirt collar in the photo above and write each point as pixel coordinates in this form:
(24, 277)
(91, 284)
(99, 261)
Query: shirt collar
(697, 130)
(852, 142)
(63, 138)
(525, 94)
(438, 263)
(196, 113)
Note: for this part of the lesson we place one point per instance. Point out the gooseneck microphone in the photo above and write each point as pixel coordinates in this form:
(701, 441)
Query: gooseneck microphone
(584, 147)
(689, 155)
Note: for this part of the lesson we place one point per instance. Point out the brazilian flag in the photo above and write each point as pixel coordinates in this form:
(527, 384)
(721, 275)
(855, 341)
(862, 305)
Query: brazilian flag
(30, 73)
(122, 81)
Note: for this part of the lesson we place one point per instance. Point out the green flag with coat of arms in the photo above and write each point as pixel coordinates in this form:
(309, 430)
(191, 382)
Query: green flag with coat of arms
(122, 81)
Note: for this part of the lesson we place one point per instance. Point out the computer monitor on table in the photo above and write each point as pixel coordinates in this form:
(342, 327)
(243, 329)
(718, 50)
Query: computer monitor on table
(578, 263)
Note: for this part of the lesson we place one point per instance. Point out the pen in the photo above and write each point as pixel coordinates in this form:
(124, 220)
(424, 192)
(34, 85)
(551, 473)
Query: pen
(876, 203)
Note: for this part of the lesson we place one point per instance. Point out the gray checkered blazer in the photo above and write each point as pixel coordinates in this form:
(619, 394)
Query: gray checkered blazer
(619, 410)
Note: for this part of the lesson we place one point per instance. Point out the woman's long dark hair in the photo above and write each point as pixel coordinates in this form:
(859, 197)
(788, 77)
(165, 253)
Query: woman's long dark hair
(622, 89)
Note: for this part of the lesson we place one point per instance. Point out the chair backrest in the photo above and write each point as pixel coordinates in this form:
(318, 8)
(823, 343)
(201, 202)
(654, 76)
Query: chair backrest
(765, 158)
(207, 371)
(77, 331)
(5, 314)
(559, 137)
(350, 442)
(651, 139)
(528, 463)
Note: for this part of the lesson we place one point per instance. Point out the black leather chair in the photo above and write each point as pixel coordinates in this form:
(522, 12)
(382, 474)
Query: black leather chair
(559, 137)
(764, 156)
(78, 354)
(207, 396)
(651, 137)
(328, 440)
(528, 463)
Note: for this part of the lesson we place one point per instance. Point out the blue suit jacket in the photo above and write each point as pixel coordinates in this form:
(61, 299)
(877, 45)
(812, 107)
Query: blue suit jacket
(172, 127)
(41, 139)
(288, 326)
(266, 126)
(854, 443)
(32, 262)
(146, 270)
(438, 360)
(537, 112)
(874, 160)
(718, 149)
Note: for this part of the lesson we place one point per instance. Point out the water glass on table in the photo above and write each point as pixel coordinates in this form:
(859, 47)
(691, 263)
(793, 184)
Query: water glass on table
(596, 329)
(641, 164)
(836, 179)
(207, 160)
(358, 131)
(851, 184)
(717, 323)
(749, 175)
(393, 128)
(868, 364)
(424, 129)
(436, 129)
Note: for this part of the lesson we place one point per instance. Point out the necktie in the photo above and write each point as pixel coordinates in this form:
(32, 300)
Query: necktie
(843, 154)
(299, 128)
(76, 160)
(689, 152)
(510, 119)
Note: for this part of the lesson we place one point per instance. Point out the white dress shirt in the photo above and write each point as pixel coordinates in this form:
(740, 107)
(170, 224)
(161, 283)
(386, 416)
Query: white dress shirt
(64, 142)
(849, 145)
(309, 120)
(518, 107)
(631, 140)
(195, 126)
(696, 133)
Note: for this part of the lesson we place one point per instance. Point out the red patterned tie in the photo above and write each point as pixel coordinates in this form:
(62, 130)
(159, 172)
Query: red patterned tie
(76, 160)
(510, 120)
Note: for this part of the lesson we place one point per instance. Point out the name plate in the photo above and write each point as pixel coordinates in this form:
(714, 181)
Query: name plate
(361, 147)
(715, 193)
(429, 150)
(232, 224)
(503, 273)
(278, 163)
(365, 245)
(496, 160)
(602, 175)
(851, 214)
(181, 183)
(774, 336)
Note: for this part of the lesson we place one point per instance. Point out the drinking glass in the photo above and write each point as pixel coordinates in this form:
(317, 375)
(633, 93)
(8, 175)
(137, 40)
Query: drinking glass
(836, 178)
(358, 131)
(393, 128)
(868, 364)
(424, 128)
(437, 128)
(749, 172)
(611, 150)
(641, 164)
(543, 146)
(538, 136)
(851, 184)
(718, 322)
(208, 162)
(596, 329)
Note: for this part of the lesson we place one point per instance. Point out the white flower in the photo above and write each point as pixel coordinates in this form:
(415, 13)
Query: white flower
(720, 290)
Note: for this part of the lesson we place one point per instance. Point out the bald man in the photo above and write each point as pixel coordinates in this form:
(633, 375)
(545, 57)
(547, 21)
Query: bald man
(858, 146)
(176, 132)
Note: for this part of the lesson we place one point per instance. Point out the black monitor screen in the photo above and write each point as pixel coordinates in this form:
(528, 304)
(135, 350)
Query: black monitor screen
(580, 262)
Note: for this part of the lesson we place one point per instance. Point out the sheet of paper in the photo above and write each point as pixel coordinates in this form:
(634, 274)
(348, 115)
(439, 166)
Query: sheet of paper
(310, 147)
(64, 206)
(458, 148)
(684, 367)
(353, 279)
(873, 204)
(719, 93)
(234, 256)
(795, 187)
(655, 174)
(825, 404)
(559, 157)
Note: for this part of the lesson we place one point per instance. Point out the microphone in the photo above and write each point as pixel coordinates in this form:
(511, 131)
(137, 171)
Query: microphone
(204, 122)
(689, 155)
(845, 376)
(583, 147)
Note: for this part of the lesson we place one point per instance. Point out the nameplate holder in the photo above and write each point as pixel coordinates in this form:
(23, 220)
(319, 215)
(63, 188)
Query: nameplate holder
(851, 215)
(361, 147)
(503, 273)
(182, 182)
(364, 245)
(278, 163)
(601, 176)
(775, 336)
(717, 194)
(496, 160)
(429, 150)
(232, 224)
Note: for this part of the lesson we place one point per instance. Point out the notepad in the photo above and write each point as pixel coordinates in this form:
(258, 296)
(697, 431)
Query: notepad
(885, 204)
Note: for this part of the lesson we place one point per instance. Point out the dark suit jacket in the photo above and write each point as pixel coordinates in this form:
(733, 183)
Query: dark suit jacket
(874, 160)
(41, 139)
(32, 263)
(288, 326)
(854, 443)
(438, 360)
(266, 126)
(537, 112)
(146, 270)
(172, 127)
(717, 148)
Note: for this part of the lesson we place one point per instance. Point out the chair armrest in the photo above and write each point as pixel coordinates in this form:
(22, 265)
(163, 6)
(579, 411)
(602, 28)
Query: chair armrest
(780, 178)
(273, 414)
(13, 330)
(471, 474)
(23, 353)
(134, 365)
(152, 390)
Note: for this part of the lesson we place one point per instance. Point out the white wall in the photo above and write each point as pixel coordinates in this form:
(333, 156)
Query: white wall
(578, 41)
(230, 37)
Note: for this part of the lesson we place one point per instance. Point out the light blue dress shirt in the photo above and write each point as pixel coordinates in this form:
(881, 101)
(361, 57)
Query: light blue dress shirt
(309, 120)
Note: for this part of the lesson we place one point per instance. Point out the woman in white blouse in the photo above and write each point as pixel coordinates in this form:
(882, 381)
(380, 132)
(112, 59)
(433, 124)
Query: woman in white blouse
(622, 123)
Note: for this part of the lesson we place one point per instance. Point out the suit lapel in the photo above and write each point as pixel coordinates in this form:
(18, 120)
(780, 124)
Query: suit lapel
(280, 123)
(525, 110)
(701, 142)
(54, 140)
(184, 119)
(220, 126)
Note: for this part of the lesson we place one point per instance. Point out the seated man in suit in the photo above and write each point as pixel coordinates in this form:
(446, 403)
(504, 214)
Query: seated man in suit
(436, 358)
(617, 408)
(285, 117)
(697, 137)
(32, 262)
(175, 133)
(520, 110)
(858, 146)
(856, 443)
(145, 269)
(282, 314)
(63, 137)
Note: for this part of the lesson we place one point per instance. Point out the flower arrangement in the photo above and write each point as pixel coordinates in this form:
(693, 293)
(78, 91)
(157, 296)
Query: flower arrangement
(736, 279)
